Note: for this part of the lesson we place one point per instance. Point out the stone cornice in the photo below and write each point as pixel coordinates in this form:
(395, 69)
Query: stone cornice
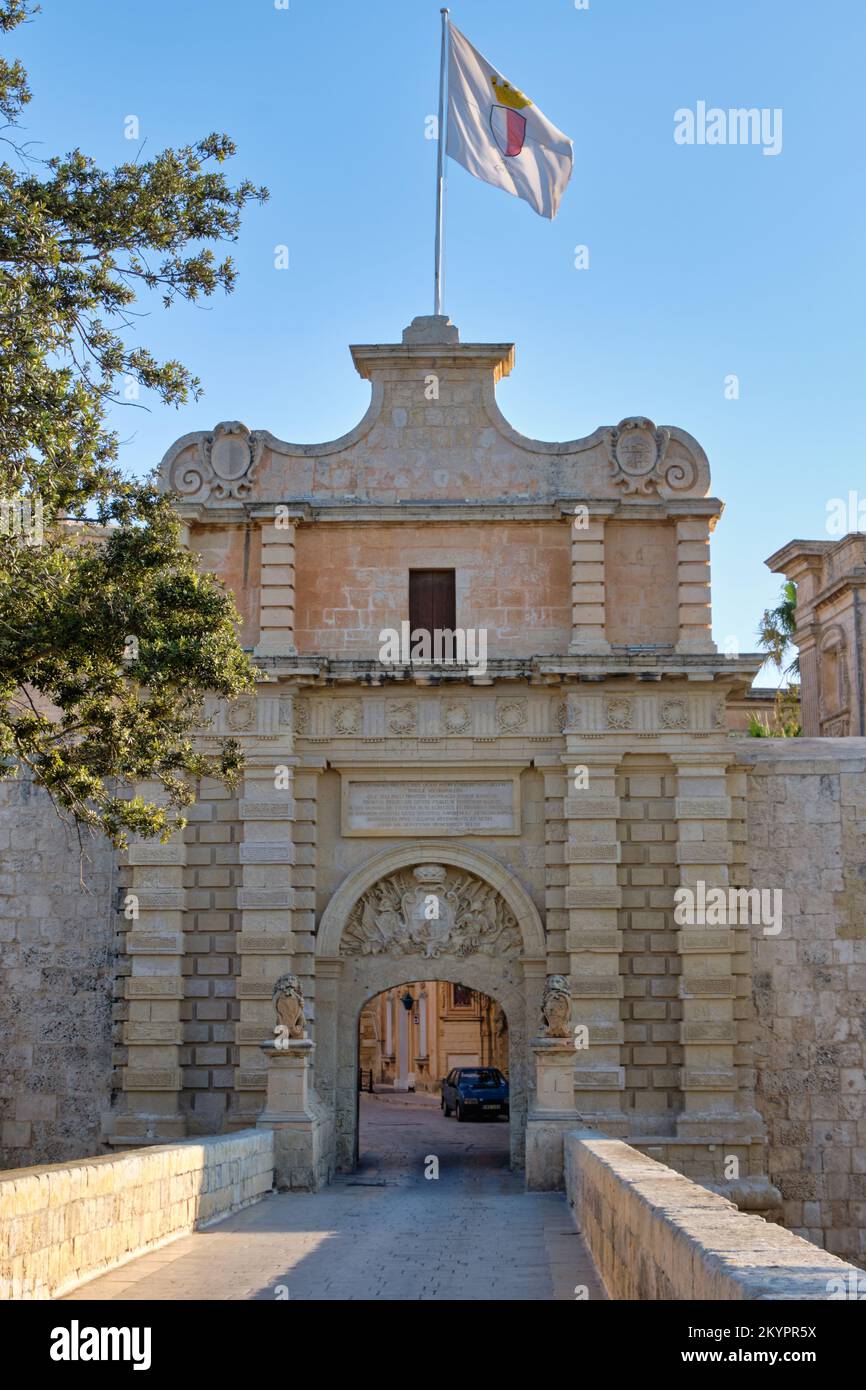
(808, 551)
(531, 670)
(362, 513)
(370, 358)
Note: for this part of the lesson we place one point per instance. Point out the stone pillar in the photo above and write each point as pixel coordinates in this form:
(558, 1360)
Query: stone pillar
(587, 589)
(424, 1001)
(708, 1032)
(292, 1114)
(153, 1031)
(401, 1080)
(265, 942)
(277, 609)
(553, 1112)
(693, 585)
(592, 898)
(389, 1025)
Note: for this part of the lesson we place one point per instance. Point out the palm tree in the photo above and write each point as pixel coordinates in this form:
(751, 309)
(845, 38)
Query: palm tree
(776, 631)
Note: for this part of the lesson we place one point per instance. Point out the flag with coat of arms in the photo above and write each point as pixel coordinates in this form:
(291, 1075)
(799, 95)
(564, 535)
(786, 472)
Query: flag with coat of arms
(498, 134)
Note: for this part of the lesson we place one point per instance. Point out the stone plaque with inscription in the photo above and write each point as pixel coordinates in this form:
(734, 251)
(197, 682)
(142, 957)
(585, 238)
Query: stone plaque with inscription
(431, 806)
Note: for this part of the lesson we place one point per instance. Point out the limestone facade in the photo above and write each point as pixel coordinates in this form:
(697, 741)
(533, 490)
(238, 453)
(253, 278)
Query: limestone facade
(552, 799)
(831, 631)
(578, 775)
(410, 1038)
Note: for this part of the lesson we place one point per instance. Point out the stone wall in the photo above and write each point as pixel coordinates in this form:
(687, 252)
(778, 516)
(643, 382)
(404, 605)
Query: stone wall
(57, 968)
(64, 1223)
(654, 1234)
(807, 836)
(511, 579)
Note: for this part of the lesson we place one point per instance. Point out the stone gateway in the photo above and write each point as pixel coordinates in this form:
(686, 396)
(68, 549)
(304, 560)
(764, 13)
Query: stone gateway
(518, 827)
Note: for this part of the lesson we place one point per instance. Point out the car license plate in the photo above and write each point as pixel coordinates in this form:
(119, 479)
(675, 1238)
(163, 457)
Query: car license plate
(490, 1107)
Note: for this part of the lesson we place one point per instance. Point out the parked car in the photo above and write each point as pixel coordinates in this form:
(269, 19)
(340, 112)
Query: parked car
(475, 1093)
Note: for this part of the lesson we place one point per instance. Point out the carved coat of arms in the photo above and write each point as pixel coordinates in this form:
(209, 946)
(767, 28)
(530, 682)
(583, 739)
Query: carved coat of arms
(431, 911)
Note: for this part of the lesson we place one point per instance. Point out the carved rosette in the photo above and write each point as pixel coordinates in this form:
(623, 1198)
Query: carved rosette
(675, 713)
(241, 714)
(619, 712)
(511, 715)
(431, 911)
(223, 466)
(457, 717)
(402, 716)
(348, 716)
(639, 461)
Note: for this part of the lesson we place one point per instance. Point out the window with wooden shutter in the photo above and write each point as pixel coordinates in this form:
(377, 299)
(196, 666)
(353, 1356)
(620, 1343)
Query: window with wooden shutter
(432, 601)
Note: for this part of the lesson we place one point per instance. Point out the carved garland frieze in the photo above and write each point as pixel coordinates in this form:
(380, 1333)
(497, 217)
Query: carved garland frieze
(592, 715)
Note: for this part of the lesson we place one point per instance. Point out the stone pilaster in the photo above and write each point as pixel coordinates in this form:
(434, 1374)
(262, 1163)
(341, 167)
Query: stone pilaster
(693, 585)
(153, 1031)
(277, 609)
(555, 913)
(807, 637)
(587, 589)
(305, 831)
(708, 1030)
(265, 942)
(592, 898)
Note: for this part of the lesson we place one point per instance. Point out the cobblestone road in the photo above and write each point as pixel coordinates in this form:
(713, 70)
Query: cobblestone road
(384, 1232)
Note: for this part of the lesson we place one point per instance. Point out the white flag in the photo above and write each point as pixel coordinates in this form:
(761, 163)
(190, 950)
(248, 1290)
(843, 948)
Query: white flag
(496, 132)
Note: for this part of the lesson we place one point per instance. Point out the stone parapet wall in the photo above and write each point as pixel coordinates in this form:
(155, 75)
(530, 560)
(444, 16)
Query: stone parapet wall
(64, 1223)
(654, 1234)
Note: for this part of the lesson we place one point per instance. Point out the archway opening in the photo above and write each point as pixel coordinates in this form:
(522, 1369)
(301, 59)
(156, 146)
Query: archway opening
(433, 1083)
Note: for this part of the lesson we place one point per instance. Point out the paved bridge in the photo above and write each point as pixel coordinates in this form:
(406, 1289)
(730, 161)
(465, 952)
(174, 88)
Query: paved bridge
(199, 1220)
(385, 1232)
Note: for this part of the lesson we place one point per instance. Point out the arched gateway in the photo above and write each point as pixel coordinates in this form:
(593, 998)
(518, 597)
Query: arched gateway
(433, 909)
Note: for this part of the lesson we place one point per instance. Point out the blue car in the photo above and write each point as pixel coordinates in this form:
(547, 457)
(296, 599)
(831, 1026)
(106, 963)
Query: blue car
(475, 1093)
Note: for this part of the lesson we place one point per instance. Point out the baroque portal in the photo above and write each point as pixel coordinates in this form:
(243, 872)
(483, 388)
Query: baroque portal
(503, 824)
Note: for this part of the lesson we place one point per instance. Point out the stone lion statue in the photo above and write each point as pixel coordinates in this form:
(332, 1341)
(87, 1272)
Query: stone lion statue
(556, 1007)
(289, 1006)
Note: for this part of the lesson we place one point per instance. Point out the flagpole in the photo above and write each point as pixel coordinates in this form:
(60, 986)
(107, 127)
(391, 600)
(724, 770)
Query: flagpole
(440, 170)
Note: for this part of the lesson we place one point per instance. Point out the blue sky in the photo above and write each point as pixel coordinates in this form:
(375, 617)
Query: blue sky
(704, 261)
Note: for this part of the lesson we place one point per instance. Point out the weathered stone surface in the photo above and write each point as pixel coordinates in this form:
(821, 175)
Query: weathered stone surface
(57, 964)
(654, 1234)
(61, 1225)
